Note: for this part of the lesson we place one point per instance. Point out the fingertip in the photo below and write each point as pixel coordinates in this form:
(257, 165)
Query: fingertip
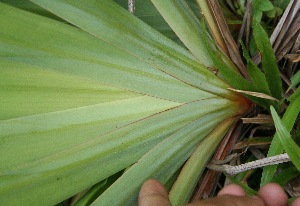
(296, 202)
(153, 193)
(232, 189)
(273, 195)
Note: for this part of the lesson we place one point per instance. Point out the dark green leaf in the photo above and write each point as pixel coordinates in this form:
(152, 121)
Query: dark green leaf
(291, 148)
(269, 63)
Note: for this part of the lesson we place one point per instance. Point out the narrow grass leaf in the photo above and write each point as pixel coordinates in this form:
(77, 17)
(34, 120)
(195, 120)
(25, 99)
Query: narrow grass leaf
(257, 76)
(269, 63)
(286, 140)
(247, 189)
(295, 80)
(276, 148)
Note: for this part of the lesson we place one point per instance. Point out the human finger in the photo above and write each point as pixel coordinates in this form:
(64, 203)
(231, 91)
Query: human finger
(296, 202)
(230, 200)
(232, 189)
(273, 195)
(153, 193)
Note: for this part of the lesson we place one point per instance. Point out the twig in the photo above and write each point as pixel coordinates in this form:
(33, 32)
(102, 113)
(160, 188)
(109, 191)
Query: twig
(131, 6)
(233, 170)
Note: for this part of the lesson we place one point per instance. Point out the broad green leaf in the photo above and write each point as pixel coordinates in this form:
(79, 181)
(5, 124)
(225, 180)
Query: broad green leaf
(192, 170)
(93, 193)
(276, 148)
(291, 148)
(85, 154)
(27, 90)
(143, 43)
(83, 103)
(74, 50)
(140, 58)
(161, 161)
(269, 63)
(29, 6)
(187, 27)
(90, 195)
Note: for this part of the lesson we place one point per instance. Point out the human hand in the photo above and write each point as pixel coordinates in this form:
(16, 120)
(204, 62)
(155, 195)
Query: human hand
(153, 193)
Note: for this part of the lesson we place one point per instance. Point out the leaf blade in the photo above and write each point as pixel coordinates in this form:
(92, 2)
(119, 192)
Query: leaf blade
(286, 140)
(268, 60)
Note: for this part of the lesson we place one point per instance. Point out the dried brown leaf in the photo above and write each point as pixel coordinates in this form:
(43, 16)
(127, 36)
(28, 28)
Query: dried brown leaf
(255, 94)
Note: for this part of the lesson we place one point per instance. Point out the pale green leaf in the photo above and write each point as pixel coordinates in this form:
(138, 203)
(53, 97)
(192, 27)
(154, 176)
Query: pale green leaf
(185, 24)
(192, 170)
(161, 161)
(27, 90)
(106, 58)
(81, 155)
(82, 103)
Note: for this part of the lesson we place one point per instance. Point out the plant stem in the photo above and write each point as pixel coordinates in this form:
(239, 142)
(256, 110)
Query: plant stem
(233, 170)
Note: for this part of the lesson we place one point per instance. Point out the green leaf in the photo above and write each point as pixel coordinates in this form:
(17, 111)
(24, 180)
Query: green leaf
(269, 63)
(259, 6)
(93, 193)
(286, 175)
(161, 161)
(257, 76)
(276, 147)
(247, 189)
(29, 6)
(83, 103)
(263, 5)
(295, 80)
(192, 170)
(291, 148)
(145, 54)
(84, 152)
(258, 79)
(185, 24)
(28, 90)
(146, 11)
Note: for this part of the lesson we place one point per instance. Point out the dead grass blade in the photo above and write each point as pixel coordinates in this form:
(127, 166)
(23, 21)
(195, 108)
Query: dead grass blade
(223, 36)
(246, 26)
(259, 119)
(208, 182)
(286, 32)
(255, 94)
